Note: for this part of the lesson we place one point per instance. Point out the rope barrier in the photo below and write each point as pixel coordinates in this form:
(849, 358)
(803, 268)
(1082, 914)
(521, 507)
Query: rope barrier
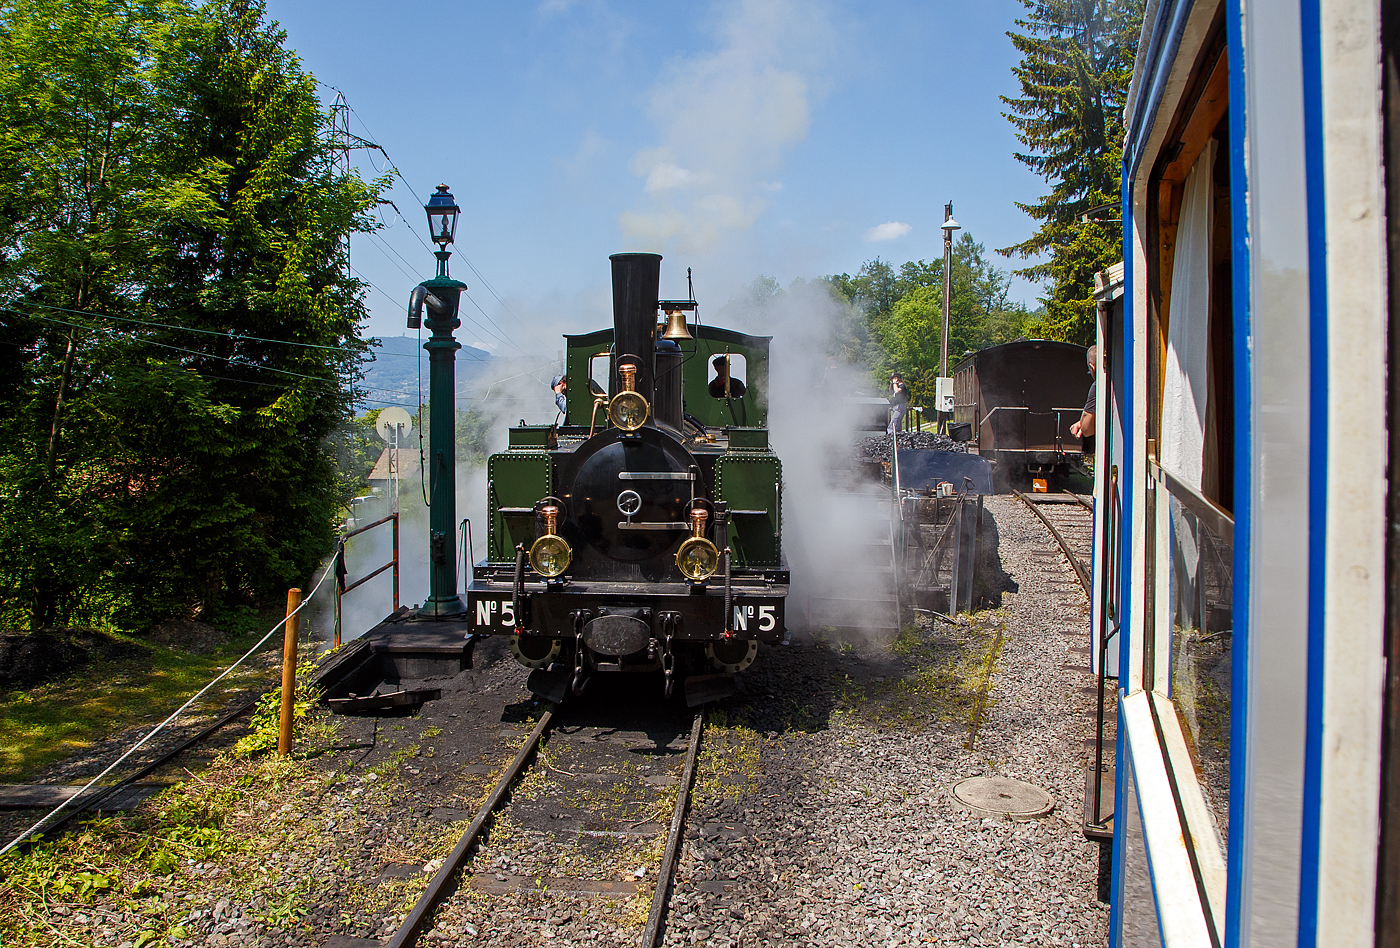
(39, 826)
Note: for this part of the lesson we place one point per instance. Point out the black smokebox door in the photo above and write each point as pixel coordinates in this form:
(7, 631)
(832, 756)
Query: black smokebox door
(598, 489)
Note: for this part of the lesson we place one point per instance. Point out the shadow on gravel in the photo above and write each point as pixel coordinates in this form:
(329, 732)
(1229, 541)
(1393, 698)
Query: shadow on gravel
(991, 580)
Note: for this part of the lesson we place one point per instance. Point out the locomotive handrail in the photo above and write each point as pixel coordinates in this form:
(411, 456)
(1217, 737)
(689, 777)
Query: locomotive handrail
(653, 525)
(655, 476)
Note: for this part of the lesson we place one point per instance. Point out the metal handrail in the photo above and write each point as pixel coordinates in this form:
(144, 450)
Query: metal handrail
(1024, 408)
(1215, 517)
(342, 587)
(896, 530)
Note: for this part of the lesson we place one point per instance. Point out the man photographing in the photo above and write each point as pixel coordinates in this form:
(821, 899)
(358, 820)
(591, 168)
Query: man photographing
(899, 402)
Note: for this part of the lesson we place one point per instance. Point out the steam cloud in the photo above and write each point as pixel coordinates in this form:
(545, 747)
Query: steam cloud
(725, 119)
(836, 539)
(511, 392)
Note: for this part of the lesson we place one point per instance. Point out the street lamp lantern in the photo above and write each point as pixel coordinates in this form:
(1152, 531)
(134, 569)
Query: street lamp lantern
(442, 216)
(949, 226)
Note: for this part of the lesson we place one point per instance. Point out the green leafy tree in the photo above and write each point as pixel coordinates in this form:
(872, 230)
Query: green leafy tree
(1076, 63)
(184, 335)
(901, 313)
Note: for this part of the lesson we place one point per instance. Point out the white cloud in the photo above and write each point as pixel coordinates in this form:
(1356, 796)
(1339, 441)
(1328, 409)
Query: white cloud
(893, 230)
(554, 7)
(725, 119)
(590, 146)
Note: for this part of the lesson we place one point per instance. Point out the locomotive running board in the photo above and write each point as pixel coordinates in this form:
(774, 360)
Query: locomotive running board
(702, 689)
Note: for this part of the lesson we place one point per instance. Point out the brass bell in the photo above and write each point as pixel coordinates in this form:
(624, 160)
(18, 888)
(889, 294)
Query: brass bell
(675, 326)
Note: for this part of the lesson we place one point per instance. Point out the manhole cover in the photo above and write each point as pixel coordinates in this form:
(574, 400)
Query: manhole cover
(1002, 796)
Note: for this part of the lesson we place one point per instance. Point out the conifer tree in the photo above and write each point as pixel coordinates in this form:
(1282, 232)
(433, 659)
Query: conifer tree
(1076, 63)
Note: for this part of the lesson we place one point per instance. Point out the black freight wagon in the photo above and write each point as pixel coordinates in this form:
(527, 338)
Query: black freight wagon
(1019, 400)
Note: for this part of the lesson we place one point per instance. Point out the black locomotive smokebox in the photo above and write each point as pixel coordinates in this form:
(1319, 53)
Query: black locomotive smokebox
(617, 634)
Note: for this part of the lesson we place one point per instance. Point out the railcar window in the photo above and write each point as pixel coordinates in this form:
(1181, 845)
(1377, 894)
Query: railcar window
(1187, 646)
(1199, 588)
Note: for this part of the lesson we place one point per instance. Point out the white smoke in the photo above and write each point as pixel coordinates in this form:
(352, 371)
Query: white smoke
(725, 119)
(834, 536)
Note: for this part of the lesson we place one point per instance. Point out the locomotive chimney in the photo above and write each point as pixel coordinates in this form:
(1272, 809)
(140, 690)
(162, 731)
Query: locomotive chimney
(636, 282)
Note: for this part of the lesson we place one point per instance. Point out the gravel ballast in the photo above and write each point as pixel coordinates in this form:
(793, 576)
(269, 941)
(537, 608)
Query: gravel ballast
(823, 811)
(852, 836)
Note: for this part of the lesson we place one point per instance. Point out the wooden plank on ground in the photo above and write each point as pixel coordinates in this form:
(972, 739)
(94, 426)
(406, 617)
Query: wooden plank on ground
(18, 796)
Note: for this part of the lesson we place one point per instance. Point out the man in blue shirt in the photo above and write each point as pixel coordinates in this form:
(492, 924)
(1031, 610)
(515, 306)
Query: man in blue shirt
(561, 390)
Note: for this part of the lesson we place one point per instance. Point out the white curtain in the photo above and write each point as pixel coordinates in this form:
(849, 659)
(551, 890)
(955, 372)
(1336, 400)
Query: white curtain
(1186, 378)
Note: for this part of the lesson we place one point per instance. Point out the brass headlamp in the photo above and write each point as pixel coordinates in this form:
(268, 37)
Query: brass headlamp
(697, 558)
(550, 554)
(628, 409)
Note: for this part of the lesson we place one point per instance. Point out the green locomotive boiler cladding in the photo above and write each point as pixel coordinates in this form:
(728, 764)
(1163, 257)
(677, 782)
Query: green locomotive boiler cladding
(615, 499)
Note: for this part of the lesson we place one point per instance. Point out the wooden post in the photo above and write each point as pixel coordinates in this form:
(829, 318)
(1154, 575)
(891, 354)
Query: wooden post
(289, 673)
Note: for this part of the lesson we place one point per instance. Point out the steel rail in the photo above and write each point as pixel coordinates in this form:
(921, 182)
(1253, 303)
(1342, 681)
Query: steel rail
(652, 934)
(1069, 554)
(1086, 502)
(442, 884)
(108, 792)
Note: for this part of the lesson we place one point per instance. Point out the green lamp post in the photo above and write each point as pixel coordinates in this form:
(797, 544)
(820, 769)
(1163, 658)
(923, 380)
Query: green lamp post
(441, 295)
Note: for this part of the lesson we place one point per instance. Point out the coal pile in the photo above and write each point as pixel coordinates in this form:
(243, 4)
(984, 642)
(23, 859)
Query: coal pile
(878, 448)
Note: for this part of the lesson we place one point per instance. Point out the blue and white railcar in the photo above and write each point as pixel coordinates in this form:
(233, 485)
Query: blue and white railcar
(1247, 545)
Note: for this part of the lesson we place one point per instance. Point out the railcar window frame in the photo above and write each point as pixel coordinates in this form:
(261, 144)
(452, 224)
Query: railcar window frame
(1201, 117)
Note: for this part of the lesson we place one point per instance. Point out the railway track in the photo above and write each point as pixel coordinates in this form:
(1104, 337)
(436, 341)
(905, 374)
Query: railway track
(534, 779)
(104, 794)
(1070, 520)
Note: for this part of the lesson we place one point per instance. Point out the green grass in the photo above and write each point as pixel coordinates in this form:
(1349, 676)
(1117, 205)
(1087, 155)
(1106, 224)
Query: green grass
(55, 720)
(942, 677)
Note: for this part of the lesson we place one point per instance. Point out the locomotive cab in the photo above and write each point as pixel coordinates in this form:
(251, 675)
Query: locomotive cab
(659, 530)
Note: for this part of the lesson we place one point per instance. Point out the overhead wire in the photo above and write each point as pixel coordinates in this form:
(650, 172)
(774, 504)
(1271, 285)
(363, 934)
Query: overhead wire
(472, 358)
(237, 337)
(500, 333)
(231, 360)
(407, 267)
(372, 142)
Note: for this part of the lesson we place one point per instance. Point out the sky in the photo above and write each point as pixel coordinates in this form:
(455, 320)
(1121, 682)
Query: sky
(738, 138)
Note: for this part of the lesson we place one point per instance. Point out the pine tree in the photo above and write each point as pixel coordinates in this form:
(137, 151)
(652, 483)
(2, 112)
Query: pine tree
(1076, 63)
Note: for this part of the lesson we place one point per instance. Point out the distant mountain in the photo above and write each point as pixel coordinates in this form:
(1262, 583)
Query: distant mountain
(393, 371)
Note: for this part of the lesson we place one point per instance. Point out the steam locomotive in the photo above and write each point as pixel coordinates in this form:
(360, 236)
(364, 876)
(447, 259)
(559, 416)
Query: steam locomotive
(643, 532)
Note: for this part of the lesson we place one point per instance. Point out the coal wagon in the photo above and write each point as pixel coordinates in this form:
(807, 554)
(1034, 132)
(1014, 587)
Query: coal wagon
(1019, 401)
